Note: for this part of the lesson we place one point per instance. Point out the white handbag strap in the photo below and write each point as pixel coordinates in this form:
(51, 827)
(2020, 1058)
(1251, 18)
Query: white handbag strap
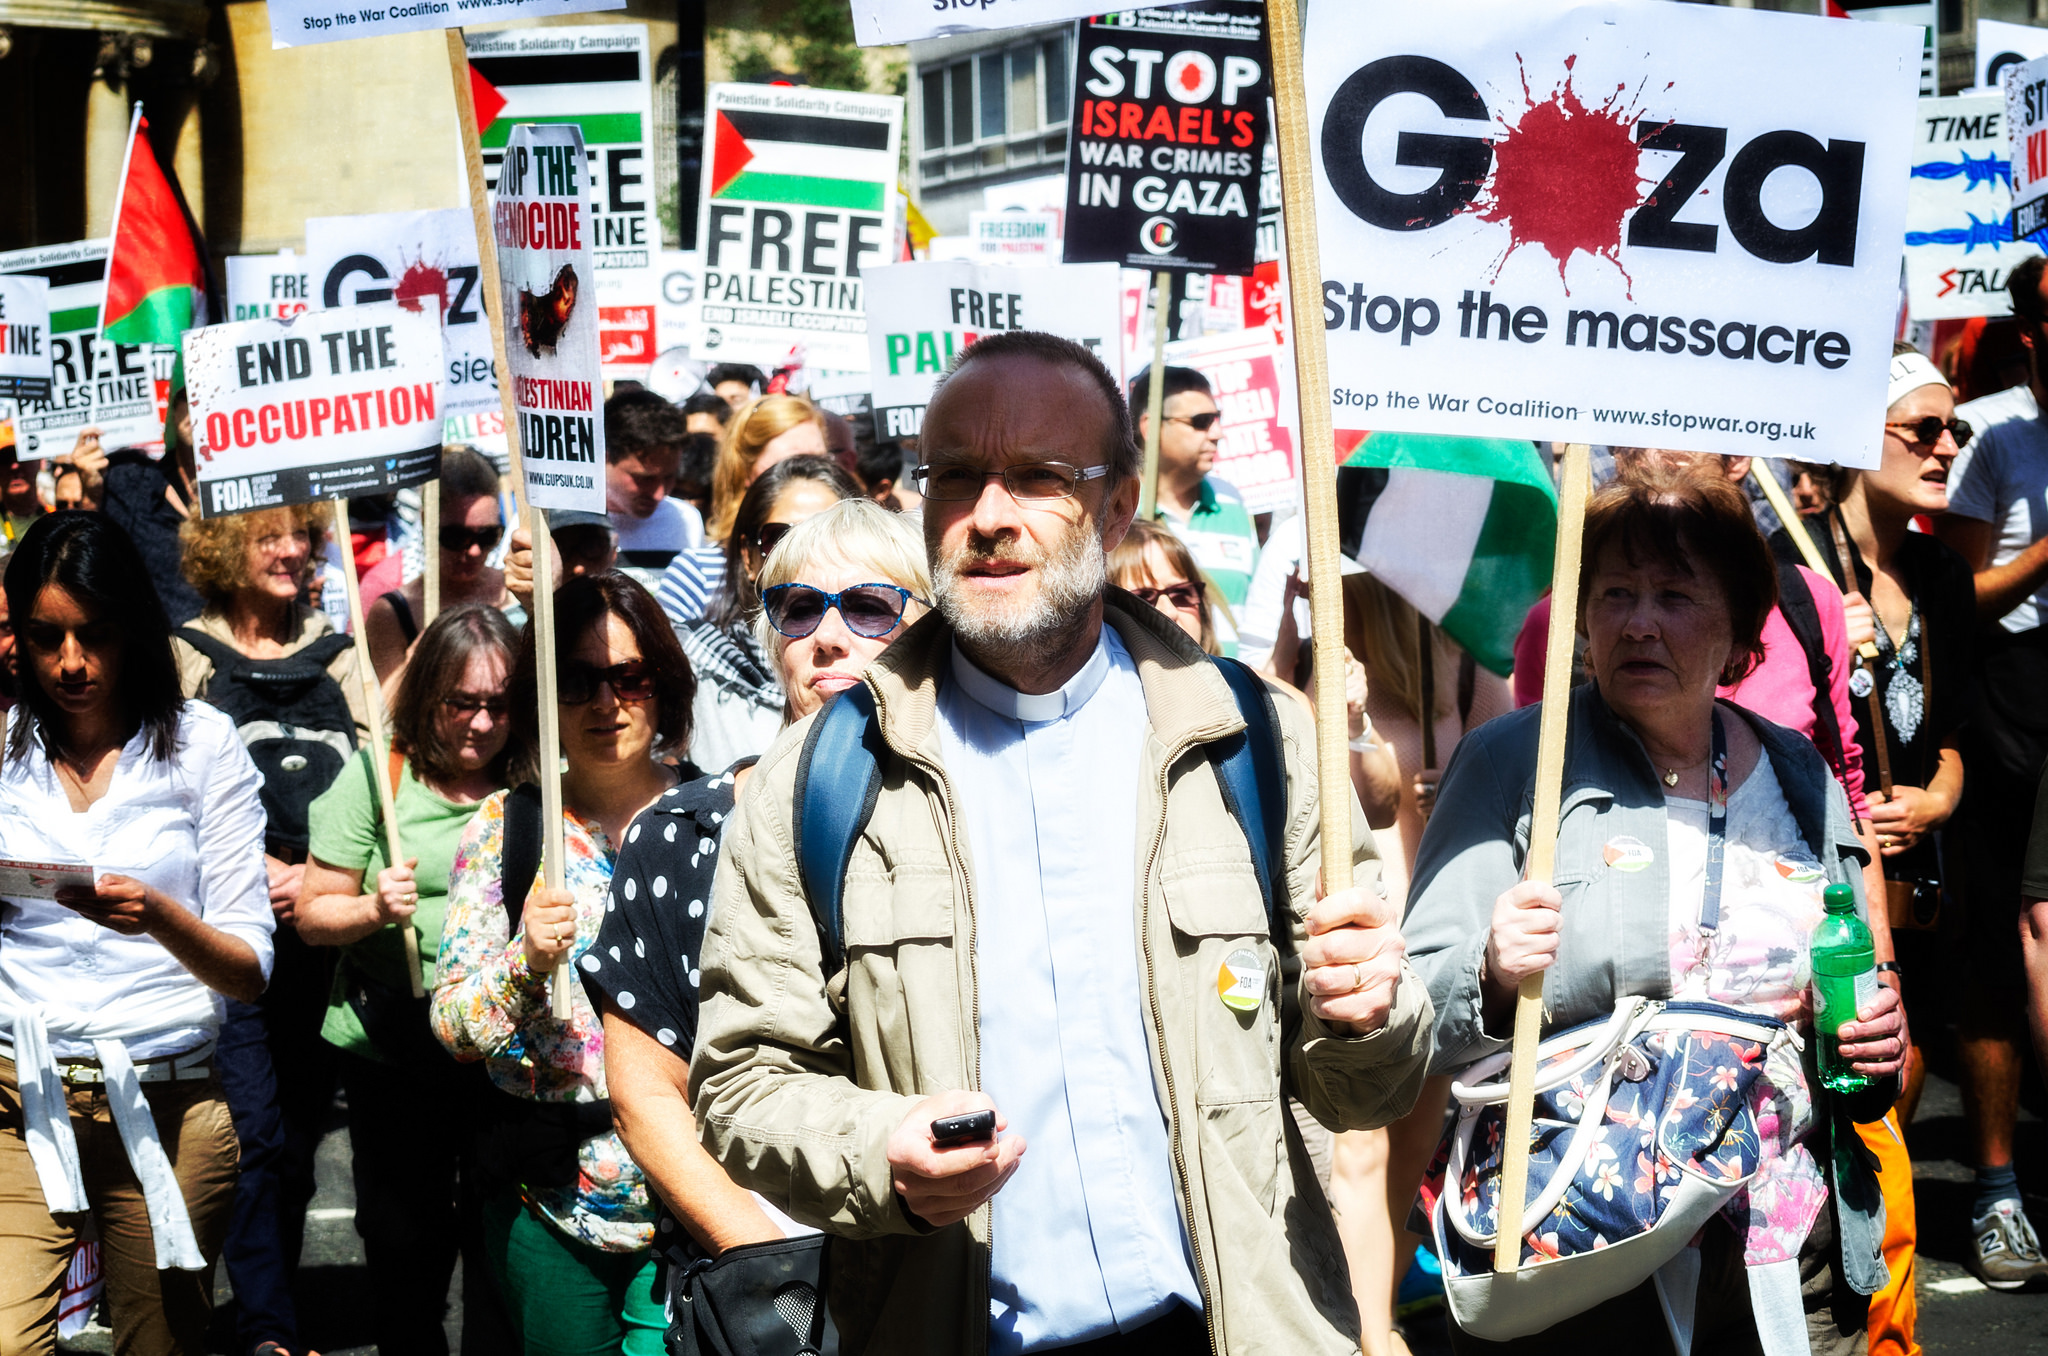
(1620, 1029)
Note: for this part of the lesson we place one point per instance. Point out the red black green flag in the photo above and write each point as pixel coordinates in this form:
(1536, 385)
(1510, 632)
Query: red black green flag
(156, 264)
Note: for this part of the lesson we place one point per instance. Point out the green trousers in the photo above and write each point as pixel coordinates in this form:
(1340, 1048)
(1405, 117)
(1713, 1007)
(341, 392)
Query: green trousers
(567, 1299)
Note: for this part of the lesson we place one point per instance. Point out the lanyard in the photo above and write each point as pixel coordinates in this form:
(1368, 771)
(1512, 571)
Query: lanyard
(1717, 830)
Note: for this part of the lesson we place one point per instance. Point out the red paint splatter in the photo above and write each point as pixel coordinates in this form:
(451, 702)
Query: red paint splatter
(420, 282)
(1564, 177)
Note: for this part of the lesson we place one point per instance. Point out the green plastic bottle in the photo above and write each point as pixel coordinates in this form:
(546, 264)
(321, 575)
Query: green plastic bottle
(1844, 979)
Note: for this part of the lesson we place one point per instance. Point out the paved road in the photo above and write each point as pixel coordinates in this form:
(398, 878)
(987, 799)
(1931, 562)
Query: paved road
(1956, 1313)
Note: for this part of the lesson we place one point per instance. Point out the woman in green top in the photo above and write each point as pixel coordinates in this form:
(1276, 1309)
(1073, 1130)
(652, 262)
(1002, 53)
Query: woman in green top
(451, 744)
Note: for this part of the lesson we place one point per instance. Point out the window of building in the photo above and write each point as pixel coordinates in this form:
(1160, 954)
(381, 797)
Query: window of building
(995, 110)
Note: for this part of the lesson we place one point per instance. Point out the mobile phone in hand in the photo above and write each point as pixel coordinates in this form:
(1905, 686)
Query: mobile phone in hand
(975, 1127)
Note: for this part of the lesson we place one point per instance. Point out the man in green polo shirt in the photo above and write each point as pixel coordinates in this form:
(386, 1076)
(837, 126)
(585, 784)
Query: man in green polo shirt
(1202, 510)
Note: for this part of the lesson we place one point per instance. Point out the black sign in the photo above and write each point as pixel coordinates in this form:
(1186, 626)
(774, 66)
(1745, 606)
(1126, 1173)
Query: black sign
(1168, 138)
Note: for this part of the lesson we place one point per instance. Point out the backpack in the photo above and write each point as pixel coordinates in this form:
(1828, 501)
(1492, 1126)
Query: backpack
(293, 718)
(839, 778)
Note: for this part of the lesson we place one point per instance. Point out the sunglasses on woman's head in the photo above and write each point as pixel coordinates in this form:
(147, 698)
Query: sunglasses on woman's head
(576, 682)
(870, 610)
(1927, 431)
(460, 539)
(1185, 596)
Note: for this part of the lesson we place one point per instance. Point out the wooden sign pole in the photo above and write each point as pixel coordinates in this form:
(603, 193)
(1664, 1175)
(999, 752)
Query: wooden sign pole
(1162, 297)
(373, 715)
(430, 551)
(1542, 859)
(1318, 437)
(552, 847)
(1795, 528)
(1425, 668)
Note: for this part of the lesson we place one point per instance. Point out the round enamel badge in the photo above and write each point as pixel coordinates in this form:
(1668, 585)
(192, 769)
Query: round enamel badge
(1241, 982)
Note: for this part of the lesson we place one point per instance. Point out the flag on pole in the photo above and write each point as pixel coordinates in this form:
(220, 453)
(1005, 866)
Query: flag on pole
(156, 285)
(1462, 528)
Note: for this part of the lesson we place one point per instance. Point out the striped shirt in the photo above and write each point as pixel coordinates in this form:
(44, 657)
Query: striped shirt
(687, 585)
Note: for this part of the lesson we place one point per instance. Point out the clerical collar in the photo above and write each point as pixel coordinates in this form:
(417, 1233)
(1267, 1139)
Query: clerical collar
(1030, 707)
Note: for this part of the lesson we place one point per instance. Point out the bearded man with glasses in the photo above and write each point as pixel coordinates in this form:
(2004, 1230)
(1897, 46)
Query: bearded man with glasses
(1202, 509)
(1052, 920)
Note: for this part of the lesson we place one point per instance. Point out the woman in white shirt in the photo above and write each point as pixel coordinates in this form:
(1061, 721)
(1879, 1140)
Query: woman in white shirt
(110, 993)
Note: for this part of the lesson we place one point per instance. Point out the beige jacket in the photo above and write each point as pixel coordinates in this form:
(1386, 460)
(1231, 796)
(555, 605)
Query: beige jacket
(797, 1091)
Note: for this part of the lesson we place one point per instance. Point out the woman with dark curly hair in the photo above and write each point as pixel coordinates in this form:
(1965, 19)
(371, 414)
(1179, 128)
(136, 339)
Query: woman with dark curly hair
(568, 1222)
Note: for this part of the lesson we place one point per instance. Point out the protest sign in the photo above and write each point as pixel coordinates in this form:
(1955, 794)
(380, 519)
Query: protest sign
(798, 197)
(423, 261)
(920, 315)
(2026, 118)
(1959, 245)
(119, 388)
(330, 403)
(1170, 124)
(1252, 382)
(1667, 224)
(600, 79)
(2001, 46)
(301, 23)
(25, 368)
(675, 310)
(1015, 238)
(541, 221)
(880, 22)
(268, 286)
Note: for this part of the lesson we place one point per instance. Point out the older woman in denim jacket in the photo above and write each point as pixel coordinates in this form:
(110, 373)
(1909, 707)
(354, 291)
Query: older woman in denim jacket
(1677, 587)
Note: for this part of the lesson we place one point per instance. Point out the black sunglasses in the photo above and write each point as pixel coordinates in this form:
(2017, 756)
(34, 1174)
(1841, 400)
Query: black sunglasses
(1185, 596)
(1928, 429)
(870, 610)
(460, 539)
(576, 682)
(1200, 423)
(766, 535)
(463, 704)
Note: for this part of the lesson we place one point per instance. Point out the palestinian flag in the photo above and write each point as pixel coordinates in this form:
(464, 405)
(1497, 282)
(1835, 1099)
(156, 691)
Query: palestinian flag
(1463, 528)
(796, 159)
(156, 262)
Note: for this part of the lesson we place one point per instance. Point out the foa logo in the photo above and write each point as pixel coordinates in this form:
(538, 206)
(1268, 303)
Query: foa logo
(1564, 175)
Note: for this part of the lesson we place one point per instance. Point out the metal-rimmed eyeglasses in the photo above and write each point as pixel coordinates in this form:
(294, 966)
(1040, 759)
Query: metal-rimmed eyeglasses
(956, 481)
(870, 610)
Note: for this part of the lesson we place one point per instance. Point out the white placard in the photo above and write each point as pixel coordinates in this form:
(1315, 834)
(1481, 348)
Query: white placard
(1502, 258)
(1959, 245)
(675, 311)
(921, 315)
(120, 389)
(542, 223)
(601, 79)
(798, 200)
(1015, 238)
(424, 261)
(338, 402)
(25, 368)
(880, 22)
(2001, 46)
(268, 286)
(301, 23)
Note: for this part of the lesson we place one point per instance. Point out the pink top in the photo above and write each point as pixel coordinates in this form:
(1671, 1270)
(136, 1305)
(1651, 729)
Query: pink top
(1779, 689)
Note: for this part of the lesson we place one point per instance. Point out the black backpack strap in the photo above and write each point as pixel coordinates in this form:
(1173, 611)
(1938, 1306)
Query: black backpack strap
(1795, 602)
(325, 650)
(1253, 779)
(223, 655)
(842, 752)
(519, 862)
(401, 612)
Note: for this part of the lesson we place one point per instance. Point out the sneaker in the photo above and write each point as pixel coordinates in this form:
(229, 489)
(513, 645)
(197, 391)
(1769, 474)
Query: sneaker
(2005, 1254)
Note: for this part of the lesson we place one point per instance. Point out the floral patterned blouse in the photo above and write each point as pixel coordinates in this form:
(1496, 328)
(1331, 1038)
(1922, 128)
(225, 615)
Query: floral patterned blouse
(1759, 960)
(489, 1005)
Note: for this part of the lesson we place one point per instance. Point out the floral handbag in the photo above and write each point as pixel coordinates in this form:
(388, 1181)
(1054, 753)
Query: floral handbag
(1643, 1129)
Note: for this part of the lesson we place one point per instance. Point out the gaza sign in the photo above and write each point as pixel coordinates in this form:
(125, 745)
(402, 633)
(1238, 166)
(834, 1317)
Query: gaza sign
(1635, 223)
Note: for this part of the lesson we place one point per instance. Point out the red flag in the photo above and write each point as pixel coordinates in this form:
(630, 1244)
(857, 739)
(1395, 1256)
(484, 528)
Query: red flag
(156, 268)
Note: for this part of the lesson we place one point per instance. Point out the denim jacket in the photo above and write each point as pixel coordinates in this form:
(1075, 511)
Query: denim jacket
(1614, 942)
